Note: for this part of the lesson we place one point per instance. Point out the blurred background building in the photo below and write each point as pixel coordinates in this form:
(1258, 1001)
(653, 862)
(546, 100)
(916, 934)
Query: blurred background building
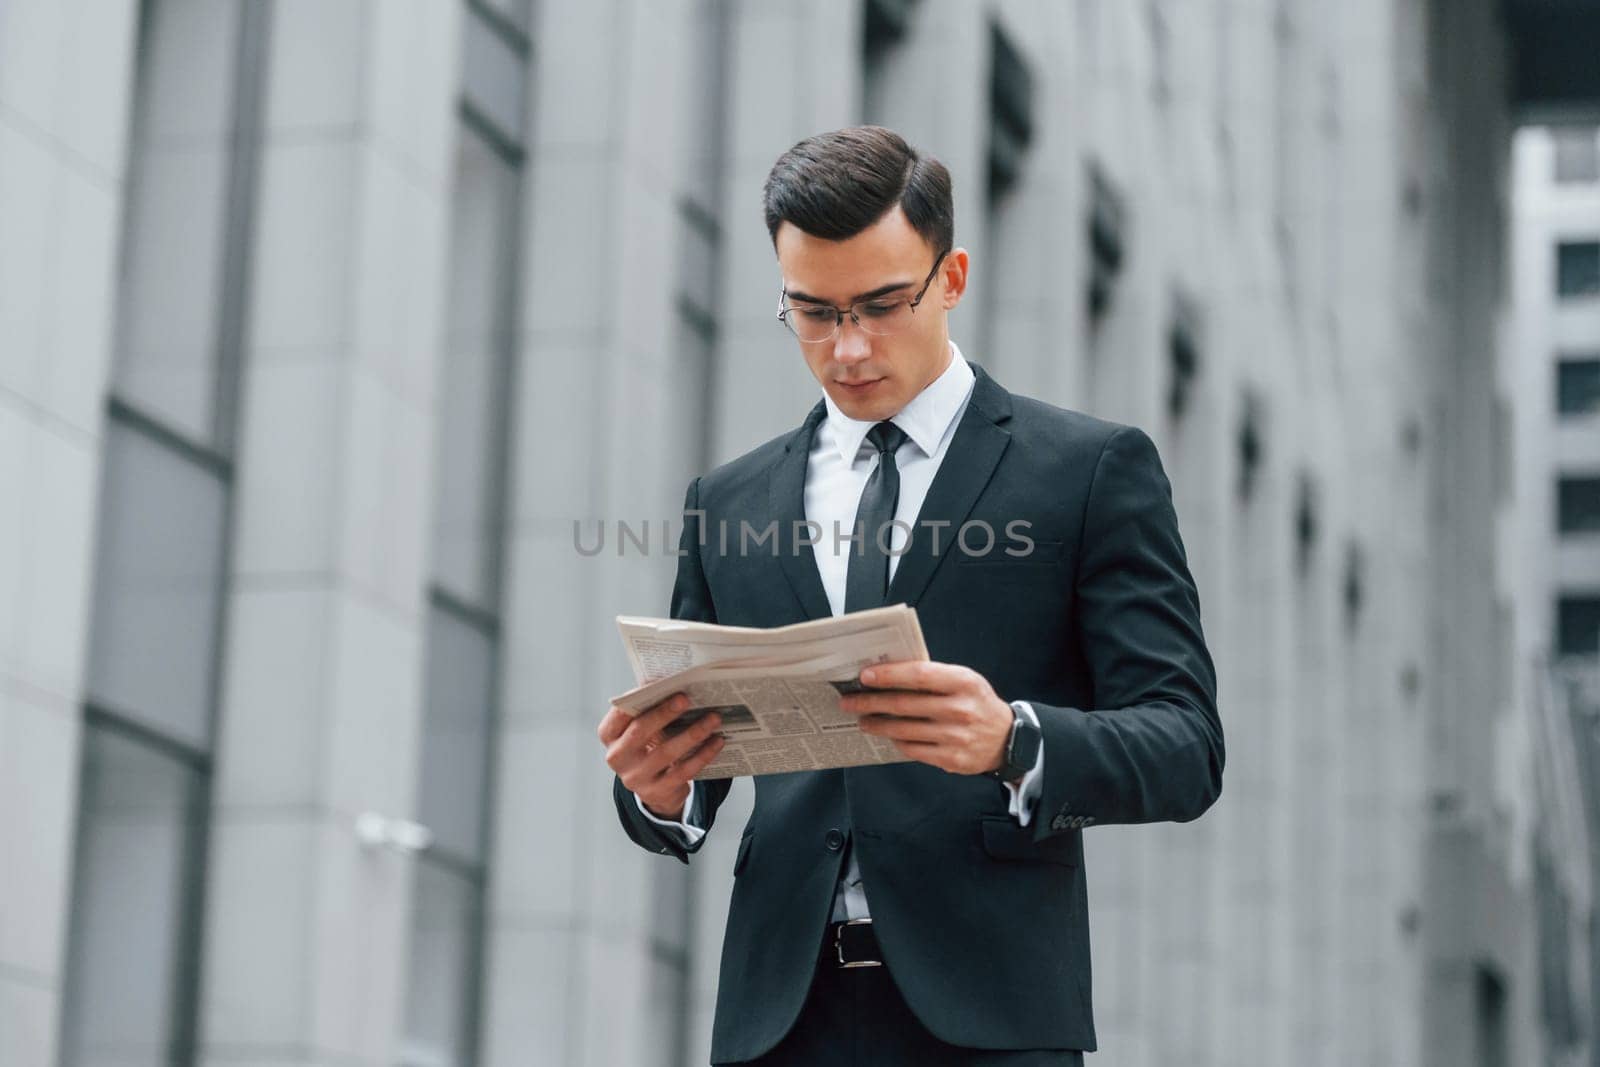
(321, 323)
(1551, 372)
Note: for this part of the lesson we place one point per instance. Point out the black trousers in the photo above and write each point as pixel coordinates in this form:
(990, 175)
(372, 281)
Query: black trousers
(856, 1016)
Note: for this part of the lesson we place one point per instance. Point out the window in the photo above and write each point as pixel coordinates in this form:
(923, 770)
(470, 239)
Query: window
(884, 22)
(519, 13)
(445, 934)
(1578, 268)
(1578, 625)
(128, 971)
(1250, 442)
(494, 62)
(456, 761)
(699, 237)
(1578, 385)
(1183, 354)
(1577, 153)
(158, 584)
(1106, 239)
(1492, 1038)
(1578, 504)
(169, 304)
(447, 907)
(1307, 524)
(478, 335)
(884, 25)
(1010, 112)
(153, 666)
(460, 680)
(1354, 585)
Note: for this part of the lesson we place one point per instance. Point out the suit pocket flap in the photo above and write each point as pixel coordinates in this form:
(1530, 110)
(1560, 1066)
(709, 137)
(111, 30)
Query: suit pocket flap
(1004, 839)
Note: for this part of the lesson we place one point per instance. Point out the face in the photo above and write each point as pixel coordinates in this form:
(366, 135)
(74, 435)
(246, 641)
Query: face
(872, 377)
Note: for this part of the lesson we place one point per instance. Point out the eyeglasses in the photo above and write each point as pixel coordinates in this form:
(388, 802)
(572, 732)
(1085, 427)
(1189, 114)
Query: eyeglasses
(816, 323)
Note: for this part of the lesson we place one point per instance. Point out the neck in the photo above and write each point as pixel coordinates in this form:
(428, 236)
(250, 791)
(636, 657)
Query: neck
(944, 365)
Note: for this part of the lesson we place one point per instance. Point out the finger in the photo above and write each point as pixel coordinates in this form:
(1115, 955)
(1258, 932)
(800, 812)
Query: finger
(921, 730)
(616, 720)
(700, 758)
(641, 737)
(674, 748)
(647, 726)
(679, 773)
(915, 674)
(920, 705)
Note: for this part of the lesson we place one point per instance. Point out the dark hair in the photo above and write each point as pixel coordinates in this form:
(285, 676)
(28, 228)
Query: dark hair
(835, 185)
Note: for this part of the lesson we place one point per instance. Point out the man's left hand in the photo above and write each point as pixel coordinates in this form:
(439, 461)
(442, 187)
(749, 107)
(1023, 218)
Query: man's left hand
(951, 717)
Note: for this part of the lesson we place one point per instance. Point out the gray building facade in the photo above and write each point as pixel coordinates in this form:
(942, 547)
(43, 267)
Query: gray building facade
(1552, 536)
(322, 324)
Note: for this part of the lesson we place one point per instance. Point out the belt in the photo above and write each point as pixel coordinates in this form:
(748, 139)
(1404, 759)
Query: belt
(851, 944)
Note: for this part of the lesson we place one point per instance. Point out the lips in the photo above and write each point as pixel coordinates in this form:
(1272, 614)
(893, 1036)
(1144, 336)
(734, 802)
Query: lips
(858, 386)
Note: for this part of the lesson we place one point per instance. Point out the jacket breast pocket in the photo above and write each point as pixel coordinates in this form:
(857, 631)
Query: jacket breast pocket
(1005, 839)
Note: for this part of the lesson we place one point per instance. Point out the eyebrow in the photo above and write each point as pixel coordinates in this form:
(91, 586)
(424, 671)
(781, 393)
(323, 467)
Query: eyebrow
(882, 290)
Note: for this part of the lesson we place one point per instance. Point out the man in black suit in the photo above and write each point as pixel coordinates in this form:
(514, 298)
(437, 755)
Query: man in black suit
(932, 910)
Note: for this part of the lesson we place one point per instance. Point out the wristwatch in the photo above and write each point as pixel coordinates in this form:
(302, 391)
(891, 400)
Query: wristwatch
(1022, 749)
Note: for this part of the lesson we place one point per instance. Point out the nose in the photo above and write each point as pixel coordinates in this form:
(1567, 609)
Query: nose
(850, 344)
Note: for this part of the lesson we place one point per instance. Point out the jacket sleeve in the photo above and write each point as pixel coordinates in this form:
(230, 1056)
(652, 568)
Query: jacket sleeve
(691, 599)
(1151, 749)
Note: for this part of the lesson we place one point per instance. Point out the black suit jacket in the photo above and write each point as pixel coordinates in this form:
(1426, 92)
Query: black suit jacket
(983, 923)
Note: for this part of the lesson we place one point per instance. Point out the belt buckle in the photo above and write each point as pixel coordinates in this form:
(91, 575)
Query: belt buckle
(838, 944)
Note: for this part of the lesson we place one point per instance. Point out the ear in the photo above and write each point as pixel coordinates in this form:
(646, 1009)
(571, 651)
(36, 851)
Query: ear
(953, 272)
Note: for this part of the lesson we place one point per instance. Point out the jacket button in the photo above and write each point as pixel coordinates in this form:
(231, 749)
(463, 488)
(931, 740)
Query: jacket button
(834, 840)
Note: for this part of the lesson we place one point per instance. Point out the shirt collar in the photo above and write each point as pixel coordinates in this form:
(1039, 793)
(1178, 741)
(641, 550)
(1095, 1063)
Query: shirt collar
(925, 419)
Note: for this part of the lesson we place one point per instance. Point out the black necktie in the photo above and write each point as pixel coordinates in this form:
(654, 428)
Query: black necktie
(866, 580)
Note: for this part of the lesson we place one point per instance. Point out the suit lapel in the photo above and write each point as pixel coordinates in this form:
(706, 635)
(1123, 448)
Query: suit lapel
(979, 441)
(786, 502)
(968, 464)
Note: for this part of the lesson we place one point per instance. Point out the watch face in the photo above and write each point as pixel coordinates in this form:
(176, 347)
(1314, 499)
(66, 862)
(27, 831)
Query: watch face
(1025, 741)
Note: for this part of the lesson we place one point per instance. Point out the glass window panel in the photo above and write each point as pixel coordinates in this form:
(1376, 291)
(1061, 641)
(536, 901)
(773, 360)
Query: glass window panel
(493, 76)
(1577, 151)
(517, 12)
(687, 448)
(1578, 505)
(168, 301)
(697, 259)
(1578, 626)
(137, 821)
(705, 70)
(158, 579)
(1578, 268)
(478, 338)
(455, 749)
(1578, 386)
(444, 924)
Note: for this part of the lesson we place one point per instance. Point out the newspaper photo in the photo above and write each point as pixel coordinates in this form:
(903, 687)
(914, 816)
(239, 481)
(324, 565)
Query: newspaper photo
(776, 690)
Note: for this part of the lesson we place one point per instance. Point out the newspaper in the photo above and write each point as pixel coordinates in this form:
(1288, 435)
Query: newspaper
(777, 690)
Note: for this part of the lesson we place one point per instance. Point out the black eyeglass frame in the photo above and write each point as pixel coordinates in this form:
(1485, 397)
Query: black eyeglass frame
(839, 313)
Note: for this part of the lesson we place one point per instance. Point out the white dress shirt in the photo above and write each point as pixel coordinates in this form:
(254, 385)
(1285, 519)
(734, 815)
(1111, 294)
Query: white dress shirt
(837, 469)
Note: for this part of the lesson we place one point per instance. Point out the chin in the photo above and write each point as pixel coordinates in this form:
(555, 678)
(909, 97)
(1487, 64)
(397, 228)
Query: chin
(867, 408)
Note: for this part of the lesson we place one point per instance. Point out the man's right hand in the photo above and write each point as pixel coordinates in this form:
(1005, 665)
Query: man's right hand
(655, 767)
